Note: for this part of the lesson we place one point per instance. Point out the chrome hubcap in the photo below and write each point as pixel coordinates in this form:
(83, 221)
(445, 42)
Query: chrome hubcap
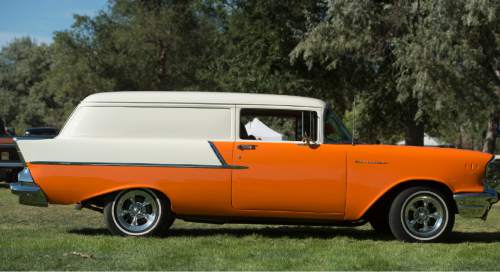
(423, 215)
(136, 210)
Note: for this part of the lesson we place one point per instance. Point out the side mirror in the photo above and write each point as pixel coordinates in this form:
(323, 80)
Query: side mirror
(309, 141)
(306, 139)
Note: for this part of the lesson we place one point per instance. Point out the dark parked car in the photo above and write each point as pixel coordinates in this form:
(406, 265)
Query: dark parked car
(10, 164)
(42, 132)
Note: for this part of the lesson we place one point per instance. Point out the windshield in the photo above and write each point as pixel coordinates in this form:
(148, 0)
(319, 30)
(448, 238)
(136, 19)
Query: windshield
(335, 131)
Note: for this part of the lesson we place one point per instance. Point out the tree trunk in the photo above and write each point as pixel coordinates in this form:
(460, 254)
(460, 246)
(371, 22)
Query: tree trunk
(162, 66)
(460, 143)
(414, 133)
(491, 134)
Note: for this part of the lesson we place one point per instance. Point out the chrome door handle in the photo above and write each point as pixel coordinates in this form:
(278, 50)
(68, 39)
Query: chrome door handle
(247, 147)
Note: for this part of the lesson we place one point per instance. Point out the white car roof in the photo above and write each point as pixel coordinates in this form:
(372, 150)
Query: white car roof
(203, 98)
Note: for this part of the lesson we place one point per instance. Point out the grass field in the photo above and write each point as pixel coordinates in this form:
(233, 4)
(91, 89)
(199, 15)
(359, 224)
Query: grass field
(62, 238)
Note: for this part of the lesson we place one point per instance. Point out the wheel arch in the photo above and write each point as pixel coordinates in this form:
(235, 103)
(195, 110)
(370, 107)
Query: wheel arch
(384, 200)
(98, 202)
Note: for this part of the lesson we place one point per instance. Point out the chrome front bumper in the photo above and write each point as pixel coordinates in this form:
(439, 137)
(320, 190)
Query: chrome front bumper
(476, 205)
(29, 193)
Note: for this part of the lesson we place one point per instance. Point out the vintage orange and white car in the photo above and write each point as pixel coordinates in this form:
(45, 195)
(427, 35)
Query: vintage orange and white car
(147, 158)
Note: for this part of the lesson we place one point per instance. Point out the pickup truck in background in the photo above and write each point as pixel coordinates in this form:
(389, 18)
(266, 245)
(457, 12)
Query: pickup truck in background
(41, 132)
(10, 160)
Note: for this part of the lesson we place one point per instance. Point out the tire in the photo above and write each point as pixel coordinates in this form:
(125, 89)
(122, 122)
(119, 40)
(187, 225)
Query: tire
(138, 212)
(421, 214)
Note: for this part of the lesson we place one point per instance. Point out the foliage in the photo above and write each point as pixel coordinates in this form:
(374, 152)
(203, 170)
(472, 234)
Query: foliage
(253, 49)
(23, 65)
(415, 62)
(411, 65)
(132, 46)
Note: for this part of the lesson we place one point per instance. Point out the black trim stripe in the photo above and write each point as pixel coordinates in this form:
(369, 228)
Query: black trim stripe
(217, 153)
(141, 164)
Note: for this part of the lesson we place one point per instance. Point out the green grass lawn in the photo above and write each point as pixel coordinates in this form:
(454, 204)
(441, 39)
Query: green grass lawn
(62, 238)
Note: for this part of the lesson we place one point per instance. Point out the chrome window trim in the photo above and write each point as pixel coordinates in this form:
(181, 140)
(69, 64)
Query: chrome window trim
(319, 119)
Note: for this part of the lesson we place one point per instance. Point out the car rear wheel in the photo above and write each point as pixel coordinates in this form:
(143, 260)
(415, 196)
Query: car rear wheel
(421, 214)
(138, 212)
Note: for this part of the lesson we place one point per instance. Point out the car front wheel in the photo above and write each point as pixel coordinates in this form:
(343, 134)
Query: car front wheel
(138, 212)
(421, 214)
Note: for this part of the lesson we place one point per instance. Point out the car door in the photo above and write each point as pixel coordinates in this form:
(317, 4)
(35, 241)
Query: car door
(286, 174)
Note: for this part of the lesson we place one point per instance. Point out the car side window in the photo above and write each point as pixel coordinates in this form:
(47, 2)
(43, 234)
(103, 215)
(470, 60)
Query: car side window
(275, 125)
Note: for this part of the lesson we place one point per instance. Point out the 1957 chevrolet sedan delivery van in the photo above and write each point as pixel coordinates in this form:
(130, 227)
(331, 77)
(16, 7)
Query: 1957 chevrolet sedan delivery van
(146, 158)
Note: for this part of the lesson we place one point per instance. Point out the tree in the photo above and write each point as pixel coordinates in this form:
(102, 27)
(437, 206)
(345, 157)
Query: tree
(23, 65)
(415, 62)
(252, 47)
(133, 45)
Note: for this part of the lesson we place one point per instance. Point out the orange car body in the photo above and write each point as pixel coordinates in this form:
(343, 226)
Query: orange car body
(254, 179)
(338, 182)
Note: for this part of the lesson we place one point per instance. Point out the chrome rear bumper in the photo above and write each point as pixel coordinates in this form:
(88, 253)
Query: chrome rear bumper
(476, 205)
(29, 193)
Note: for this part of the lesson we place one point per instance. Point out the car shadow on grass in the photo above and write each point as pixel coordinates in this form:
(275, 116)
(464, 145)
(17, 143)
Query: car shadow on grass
(473, 237)
(301, 232)
(298, 232)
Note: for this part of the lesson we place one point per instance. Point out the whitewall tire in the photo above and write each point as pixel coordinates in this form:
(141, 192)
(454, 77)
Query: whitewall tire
(421, 214)
(138, 212)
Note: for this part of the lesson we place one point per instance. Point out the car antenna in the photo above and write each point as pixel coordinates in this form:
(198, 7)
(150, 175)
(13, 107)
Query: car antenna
(353, 121)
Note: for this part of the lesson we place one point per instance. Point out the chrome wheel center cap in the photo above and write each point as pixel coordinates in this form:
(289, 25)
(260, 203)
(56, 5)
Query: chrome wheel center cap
(135, 209)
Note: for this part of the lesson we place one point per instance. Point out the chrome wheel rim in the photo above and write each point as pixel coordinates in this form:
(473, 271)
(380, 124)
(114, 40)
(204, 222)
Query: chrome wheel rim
(136, 211)
(424, 215)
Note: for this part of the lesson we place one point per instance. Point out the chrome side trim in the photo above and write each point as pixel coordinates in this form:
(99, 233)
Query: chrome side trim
(476, 205)
(227, 166)
(221, 159)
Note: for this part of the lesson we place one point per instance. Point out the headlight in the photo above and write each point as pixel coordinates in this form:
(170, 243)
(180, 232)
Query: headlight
(493, 174)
